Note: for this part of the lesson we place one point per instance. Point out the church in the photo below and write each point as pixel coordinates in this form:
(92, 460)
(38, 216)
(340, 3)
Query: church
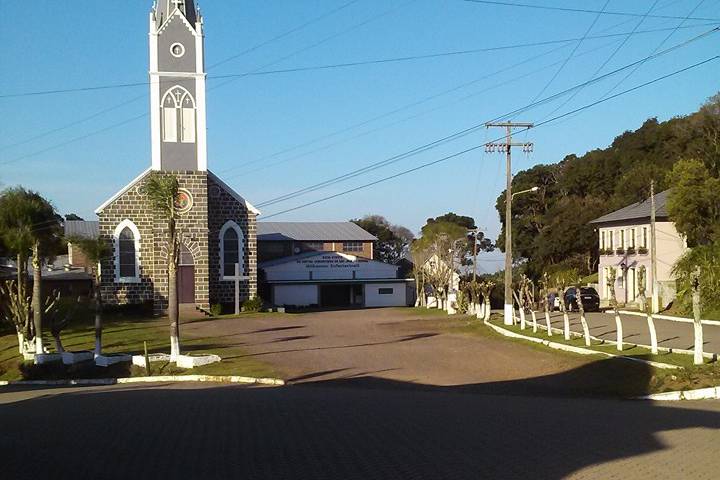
(217, 226)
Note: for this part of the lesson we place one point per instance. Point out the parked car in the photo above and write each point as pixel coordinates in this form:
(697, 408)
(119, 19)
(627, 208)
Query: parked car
(588, 295)
(554, 301)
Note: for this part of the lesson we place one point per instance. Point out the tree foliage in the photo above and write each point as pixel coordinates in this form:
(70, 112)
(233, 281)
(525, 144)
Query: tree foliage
(550, 227)
(392, 240)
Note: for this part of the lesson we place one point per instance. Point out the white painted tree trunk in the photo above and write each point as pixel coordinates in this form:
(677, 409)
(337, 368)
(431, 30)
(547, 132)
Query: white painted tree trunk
(522, 318)
(480, 311)
(22, 346)
(619, 330)
(534, 321)
(566, 324)
(174, 348)
(586, 330)
(487, 310)
(653, 333)
(698, 348)
(548, 324)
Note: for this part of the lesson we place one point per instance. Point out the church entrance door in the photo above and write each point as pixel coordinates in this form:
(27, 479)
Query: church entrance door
(186, 277)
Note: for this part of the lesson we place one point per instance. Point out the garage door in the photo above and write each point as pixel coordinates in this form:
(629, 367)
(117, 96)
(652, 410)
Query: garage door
(300, 295)
(385, 295)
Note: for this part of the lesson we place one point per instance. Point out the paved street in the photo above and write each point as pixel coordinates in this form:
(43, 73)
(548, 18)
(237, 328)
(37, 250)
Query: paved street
(347, 432)
(670, 334)
(374, 394)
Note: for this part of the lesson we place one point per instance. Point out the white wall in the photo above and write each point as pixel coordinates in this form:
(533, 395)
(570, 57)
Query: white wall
(374, 299)
(300, 295)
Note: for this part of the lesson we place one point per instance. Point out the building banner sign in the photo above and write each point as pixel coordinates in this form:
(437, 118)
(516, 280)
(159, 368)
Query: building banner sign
(331, 261)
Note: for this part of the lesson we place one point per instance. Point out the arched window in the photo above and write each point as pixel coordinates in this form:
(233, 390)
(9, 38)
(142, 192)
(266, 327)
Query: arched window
(178, 116)
(232, 247)
(127, 252)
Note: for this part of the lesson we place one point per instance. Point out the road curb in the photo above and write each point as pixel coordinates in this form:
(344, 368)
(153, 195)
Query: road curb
(165, 378)
(710, 393)
(573, 349)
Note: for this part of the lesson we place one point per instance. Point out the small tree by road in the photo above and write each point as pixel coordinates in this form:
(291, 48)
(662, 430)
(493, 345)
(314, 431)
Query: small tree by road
(95, 250)
(162, 192)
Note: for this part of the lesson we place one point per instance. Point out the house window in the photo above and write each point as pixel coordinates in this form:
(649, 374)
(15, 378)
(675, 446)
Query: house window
(644, 237)
(385, 291)
(632, 238)
(231, 251)
(602, 240)
(127, 252)
(610, 237)
(352, 246)
(178, 116)
(621, 241)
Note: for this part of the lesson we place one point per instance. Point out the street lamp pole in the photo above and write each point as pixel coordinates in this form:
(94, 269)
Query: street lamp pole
(507, 148)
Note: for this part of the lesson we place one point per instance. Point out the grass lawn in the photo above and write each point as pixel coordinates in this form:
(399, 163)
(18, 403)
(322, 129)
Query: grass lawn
(126, 335)
(661, 380)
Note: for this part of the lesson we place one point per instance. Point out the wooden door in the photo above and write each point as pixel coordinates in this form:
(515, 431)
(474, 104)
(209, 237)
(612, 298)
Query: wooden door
(186, 284)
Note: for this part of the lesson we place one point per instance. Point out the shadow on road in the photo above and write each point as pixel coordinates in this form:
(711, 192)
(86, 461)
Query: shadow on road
(355, 428)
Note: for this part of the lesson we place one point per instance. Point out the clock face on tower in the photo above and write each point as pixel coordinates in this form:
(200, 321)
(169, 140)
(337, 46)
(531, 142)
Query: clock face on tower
(177, 50)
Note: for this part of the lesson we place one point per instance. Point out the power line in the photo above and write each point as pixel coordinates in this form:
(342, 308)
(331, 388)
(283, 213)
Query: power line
(407, 106)
(467, 131)
(404, 119)
(572, 53)
(352, 64)
(301, 50)
(284, 34)
(476, 147)
(607, 60)
(583, 10)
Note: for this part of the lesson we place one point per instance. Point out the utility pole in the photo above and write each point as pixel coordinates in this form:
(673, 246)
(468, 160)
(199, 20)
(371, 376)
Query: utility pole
(507, 148)
(653, 252)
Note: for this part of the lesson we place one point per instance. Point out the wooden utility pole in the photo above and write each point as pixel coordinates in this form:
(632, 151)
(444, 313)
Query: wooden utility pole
(653, 253)
(507, 148)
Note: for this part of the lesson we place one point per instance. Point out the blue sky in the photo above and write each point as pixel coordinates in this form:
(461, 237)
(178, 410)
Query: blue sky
(255, 123)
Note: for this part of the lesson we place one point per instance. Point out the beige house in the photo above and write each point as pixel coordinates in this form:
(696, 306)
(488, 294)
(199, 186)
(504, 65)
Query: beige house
(625, 245)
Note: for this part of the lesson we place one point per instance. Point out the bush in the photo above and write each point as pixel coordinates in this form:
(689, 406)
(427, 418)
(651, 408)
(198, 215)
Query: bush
(252, 305)
(707, 257)
(216, 310)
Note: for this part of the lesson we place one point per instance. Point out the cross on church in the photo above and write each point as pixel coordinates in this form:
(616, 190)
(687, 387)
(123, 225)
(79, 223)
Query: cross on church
(178, 3)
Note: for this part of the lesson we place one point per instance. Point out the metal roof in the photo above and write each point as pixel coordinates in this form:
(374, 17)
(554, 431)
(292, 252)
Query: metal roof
(637, 211)
(82, 228)
(312, 232)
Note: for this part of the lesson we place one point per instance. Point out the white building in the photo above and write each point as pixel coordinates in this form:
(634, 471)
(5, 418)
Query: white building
(625, 243)
(334, 279)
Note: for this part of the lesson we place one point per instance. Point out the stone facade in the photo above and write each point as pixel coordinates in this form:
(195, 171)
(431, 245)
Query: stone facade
(199, 232)
(224, 206)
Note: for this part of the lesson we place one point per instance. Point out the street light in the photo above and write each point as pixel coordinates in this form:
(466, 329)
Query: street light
(508, 314)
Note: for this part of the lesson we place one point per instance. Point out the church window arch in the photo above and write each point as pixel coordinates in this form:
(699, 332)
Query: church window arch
(178, 116)
(232, 248)
(126, 240)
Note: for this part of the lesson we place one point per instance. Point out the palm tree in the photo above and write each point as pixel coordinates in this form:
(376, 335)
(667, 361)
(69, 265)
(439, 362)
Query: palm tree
(162, 191)
(28, 222)
(95, 250)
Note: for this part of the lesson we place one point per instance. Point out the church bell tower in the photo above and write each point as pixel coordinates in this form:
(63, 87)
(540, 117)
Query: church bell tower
(177, 87)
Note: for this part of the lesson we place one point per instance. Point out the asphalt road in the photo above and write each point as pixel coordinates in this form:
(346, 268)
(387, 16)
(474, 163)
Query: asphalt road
(348, 431)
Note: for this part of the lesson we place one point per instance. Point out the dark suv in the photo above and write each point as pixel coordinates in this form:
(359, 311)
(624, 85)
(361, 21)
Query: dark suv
(588, 295)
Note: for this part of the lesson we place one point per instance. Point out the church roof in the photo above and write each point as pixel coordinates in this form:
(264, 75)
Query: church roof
(312, 231)
(211, 175)
(165, 8)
